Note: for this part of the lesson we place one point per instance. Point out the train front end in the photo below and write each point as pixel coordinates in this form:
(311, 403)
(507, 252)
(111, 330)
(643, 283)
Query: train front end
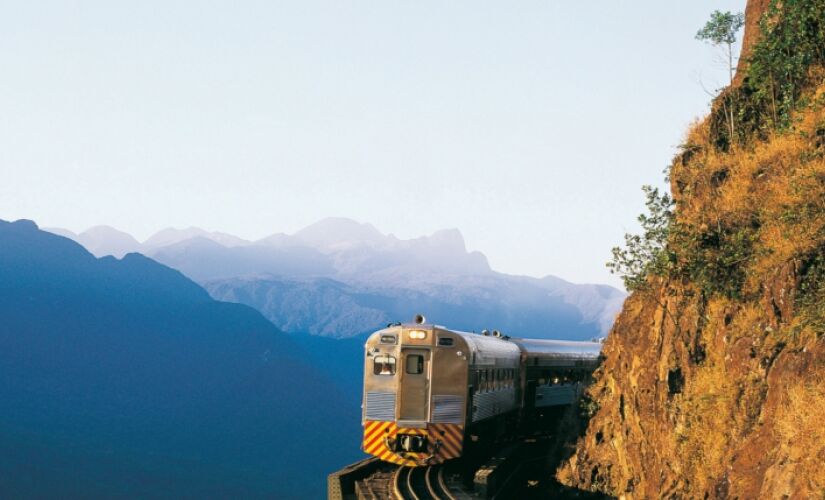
(414, 402)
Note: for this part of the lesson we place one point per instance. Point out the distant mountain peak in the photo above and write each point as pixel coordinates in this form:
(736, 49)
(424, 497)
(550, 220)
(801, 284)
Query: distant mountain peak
(171, 236)
(448, 239)
(106, 240)
(337, 231)
(103, 229)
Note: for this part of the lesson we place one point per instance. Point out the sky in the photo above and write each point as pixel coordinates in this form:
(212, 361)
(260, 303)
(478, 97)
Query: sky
(530, 126)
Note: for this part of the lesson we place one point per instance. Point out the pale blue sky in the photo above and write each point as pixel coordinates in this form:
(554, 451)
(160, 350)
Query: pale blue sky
(530, 126)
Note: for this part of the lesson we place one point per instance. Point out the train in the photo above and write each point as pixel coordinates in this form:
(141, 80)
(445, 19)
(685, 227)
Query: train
(430, 392)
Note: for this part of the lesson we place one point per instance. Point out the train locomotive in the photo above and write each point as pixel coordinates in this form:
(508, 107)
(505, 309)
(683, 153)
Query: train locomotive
(430, 391)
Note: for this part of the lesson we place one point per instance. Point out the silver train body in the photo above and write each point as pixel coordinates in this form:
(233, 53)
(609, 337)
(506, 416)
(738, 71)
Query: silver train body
(428, 389)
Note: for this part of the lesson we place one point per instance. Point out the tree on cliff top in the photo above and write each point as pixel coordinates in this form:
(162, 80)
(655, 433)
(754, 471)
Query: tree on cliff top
(721, 29)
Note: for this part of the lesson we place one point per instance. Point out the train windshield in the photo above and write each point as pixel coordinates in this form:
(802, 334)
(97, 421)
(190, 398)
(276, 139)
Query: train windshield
(415, 364)
(383, 365)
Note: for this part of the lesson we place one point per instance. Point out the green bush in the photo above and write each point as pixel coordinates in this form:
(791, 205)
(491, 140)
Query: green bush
(646, 254)
(714, 258)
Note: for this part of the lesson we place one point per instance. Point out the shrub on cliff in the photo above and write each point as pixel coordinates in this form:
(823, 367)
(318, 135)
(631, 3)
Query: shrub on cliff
(646, 254)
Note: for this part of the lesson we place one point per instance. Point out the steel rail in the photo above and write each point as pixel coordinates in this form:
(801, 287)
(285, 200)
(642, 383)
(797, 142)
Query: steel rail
(442, 483)
(428, 481)
(396, 483)
(410, 487)
(402, 485)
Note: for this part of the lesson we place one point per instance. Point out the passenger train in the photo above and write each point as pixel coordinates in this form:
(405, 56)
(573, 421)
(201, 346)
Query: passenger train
(430, 391)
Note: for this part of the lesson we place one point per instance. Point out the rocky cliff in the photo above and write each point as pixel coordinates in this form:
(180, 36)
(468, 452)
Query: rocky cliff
(713, 383)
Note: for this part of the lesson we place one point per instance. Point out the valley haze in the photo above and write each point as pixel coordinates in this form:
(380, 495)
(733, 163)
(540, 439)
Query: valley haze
(341, 278)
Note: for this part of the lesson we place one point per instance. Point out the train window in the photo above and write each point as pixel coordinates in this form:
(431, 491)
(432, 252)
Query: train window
(445, 341)
(415, 364)
(383, 364)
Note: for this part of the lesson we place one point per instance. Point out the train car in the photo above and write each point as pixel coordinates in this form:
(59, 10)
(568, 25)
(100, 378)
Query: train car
(555, 371)
(428, 389)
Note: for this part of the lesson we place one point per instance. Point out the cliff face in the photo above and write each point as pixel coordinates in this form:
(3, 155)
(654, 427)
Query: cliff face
(714, 381)
(753, 13)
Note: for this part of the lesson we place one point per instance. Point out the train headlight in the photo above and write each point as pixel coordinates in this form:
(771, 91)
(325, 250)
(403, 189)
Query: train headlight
(418, 334)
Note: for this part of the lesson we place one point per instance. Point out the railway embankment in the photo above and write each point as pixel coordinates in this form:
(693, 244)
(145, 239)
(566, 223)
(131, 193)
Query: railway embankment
(713, 384)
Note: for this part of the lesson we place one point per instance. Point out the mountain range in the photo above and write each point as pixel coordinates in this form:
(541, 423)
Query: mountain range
(123, 378)
(123, 375)
(340, 278)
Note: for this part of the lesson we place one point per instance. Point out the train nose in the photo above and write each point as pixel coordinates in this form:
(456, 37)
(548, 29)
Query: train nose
(412, 443)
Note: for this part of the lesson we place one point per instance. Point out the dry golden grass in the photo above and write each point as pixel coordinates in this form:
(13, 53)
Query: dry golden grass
(776, 189)
(801, 419)
(801, 428)
(775, 186)
(728, 422)
(707, 409)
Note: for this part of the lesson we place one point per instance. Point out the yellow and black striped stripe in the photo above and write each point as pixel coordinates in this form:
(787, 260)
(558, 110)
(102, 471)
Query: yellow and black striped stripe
(445, 441)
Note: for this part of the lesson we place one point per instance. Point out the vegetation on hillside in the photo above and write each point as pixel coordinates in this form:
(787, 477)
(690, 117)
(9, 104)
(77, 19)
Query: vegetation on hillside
(733, 383)
(716, 236)
(782, 68)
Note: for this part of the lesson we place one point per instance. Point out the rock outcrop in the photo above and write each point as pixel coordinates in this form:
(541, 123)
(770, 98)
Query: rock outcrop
(713, 383)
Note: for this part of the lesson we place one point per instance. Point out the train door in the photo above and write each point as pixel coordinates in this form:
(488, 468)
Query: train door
(415, 384)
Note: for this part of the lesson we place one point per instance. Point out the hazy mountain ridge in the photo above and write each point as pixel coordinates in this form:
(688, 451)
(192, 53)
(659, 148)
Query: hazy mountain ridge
(331, 308)
(123, 377)
(342, 278)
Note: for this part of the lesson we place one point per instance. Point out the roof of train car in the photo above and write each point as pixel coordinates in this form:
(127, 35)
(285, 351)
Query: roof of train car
(488, 343)
(506, 347)
(490, 350)
(533, 346)
(565, 348)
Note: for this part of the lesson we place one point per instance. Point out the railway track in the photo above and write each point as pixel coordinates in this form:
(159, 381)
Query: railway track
(381, 481)
(495, 477)
(422, 483)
